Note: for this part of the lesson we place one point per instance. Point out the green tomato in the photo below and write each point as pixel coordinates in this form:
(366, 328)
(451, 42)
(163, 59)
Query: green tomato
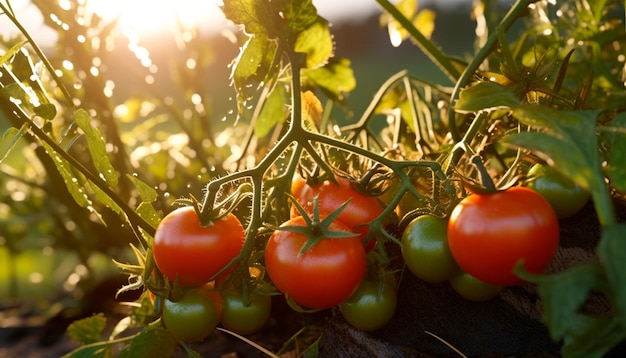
(565, 196)
(426, 251)
(371, 306)
(192, 318)
(473, 289)
(244, 317)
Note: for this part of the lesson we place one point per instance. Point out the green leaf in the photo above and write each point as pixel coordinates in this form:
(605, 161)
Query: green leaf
(10, 138)
(612, 253)
(152, 341)
(97, 147)
(12, 51)
(485, 96)
(94, 350)
(300, 15)
(146, 192)
(87, 330)
(250, 58)
(564, 293)
(248, 13)
(592, 337)
(148, 195)
(274, 111)
(335, 79)
(317, 43)
(46, 111)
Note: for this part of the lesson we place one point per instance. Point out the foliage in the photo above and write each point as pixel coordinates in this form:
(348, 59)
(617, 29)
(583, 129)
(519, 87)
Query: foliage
(551, 93)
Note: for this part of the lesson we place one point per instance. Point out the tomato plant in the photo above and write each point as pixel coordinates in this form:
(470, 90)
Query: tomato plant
(245, 317)
(191, 318)
(193, 254)
(565, 196)
(360, 211)
(372, 305)
(489, 234)
(426, 251)
(473, 289)
(322, 276)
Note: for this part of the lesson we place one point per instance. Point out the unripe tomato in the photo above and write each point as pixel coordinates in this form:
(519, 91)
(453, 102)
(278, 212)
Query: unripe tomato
(244, 317)
(489, 234)
(192, 318)
(372, 305)
(473, 289)
(425, 249)
(565, 196)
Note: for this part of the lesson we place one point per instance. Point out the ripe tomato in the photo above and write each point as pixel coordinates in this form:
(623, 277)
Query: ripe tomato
(185, 250)
(192, 318)
(360, 211)
(321, 277)
(473, 289)
(489, 234)
(565, 196)
(245, 317)
(372, 305)
(426, 251)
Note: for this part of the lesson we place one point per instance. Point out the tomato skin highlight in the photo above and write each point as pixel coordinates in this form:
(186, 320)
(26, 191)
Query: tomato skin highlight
(425, 249)
(360, 211)
(245, 317)
(194, 254)
(192, 318)
(489, 234)
(323, 276)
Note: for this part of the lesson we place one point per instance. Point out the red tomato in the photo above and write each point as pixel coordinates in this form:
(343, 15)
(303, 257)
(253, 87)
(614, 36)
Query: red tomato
(490, 233)
(323, 276)
(360, 211)
(185, 250)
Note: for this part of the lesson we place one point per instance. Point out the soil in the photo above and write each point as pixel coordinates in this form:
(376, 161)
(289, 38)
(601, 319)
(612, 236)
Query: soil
(507, 326)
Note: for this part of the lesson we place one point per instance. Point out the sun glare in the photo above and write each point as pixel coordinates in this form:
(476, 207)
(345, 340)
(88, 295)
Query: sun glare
(145, 17)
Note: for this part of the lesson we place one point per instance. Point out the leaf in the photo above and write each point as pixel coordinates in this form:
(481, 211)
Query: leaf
(273, 112)
(248, 13)
(563, 294)
(148, 195)
(97, 147)
(592, 337)
(425, 22)
(300, 15)
(317, 43)
(250, 58)
(335, 79)
(152, 341)
(7, 55)
(10, 138)
(146, 192)
(485, 96)
(612, 253)
(87, 330)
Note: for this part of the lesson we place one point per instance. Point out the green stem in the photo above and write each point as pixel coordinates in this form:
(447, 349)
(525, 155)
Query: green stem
(514, 13)
(427, 46)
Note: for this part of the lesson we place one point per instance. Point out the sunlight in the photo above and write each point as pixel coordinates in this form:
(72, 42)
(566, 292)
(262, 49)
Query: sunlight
(149, 17)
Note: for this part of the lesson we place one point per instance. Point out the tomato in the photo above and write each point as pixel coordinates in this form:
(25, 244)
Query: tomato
(473, 289)
(194, 254)
(565, 196)
(360, 211)
(192, 318)
(321, 277)
(244, 317)
(489, 234)
(426, 251)
(371, 306)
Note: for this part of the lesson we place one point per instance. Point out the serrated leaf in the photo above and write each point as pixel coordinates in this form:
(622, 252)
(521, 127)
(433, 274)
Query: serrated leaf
(152, 341)
(612, 252)
(87, 330)
(563, 295)
(273, 112)
(250, 58)
(248, 13)
(10, 138)
(97, 147)
(335, 79)
(317, 43)
(300, 15)
(485, 96)
(146, 192)
(147, 212)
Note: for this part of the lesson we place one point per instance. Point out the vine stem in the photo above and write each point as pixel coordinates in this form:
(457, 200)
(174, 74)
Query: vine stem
(434, 53)
(515, 12)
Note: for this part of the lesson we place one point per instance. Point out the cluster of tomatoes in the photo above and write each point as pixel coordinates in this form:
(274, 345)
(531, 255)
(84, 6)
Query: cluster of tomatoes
(318, 259)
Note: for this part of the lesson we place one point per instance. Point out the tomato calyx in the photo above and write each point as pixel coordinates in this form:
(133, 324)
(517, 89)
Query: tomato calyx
(316, 228)
(209, 213)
